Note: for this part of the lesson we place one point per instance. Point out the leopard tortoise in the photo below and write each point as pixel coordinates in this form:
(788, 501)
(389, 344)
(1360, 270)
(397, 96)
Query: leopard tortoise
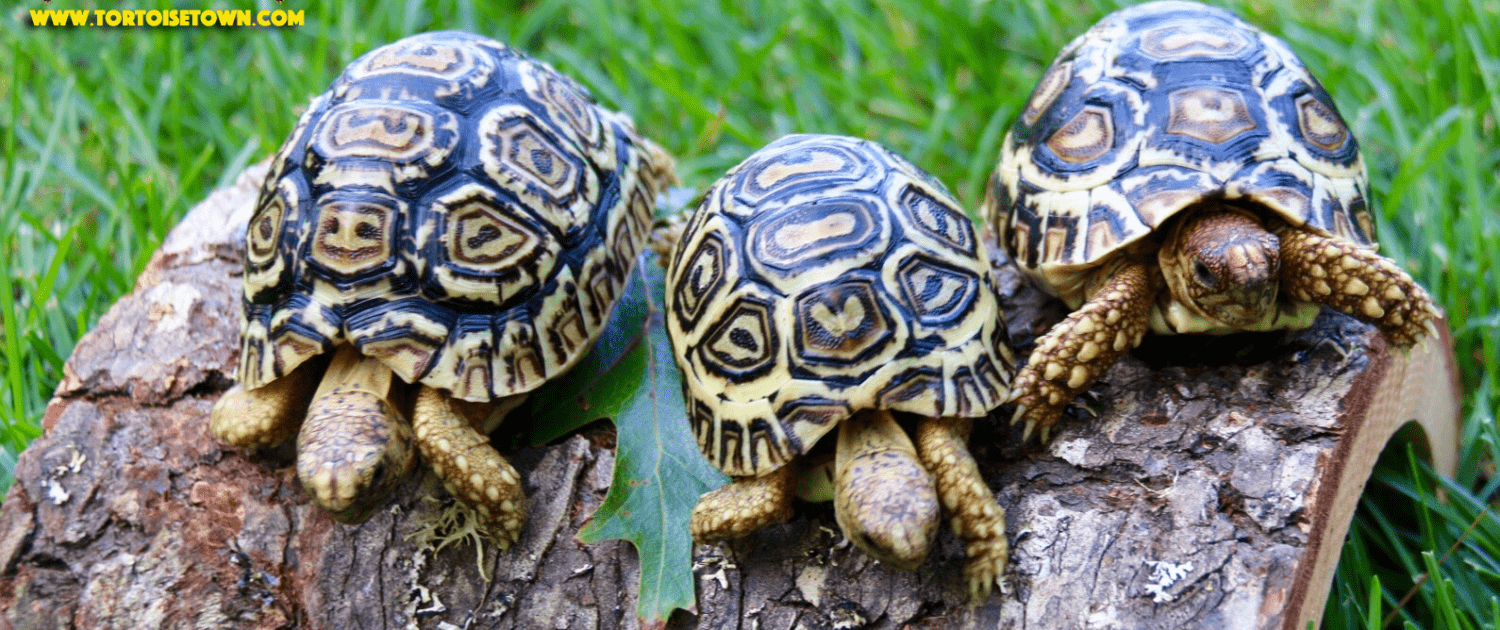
(824, 282)
(446, 228)
(1178, 170)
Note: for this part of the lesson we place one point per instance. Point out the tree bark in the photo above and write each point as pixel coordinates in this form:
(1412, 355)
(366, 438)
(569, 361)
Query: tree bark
(1213, 489)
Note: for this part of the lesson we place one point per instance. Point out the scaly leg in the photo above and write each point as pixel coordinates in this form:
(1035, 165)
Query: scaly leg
(469, 467)
(1358, 282)
(976, 517)
(267, 415)
(1079, 349)
(744, 505)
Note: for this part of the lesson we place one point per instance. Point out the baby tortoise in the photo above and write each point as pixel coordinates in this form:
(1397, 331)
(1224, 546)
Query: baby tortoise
(1179, 170)
(824, 282)
(450, 214)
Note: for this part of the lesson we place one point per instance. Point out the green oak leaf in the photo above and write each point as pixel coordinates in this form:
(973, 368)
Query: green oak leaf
(599, 386)
(606, 378)
(630, 376)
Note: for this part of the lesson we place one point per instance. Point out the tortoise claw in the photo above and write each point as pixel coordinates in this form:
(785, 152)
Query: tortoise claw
(984, 569)
(1358, 282)
(1079, 349)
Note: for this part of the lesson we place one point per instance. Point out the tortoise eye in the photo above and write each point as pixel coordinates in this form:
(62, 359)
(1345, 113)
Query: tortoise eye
(1204, 275)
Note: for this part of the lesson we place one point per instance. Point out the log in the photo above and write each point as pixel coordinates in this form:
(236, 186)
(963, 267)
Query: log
(1213, 489)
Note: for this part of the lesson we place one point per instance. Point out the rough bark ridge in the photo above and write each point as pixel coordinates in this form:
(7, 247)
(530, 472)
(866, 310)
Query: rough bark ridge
(1209, 492)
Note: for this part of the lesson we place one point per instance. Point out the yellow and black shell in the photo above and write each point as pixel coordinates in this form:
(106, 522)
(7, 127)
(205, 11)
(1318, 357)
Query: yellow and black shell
(1156, 108)
(461, 212)
(821, 276)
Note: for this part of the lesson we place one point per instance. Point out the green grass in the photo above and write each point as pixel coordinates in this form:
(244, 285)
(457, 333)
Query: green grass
(110, 135)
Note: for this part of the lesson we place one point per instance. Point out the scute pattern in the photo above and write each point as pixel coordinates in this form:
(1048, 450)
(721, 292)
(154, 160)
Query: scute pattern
(457, 67)
(522, 157)
(571, 104)
(489, 251)
(789, 240)
(820, 168)
(842, 324)
(381, 144)
(937, 291)
(1158, 107)
(461, 212)
(743, 342)
(938, 220)
(354, 233)
(824, 275)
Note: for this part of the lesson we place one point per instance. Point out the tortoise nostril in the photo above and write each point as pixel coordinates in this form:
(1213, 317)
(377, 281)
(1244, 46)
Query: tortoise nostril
(1204, 275)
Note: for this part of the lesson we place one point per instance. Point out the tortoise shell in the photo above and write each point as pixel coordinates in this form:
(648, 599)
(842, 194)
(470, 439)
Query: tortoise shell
(1157, 108)
(461, 212)
(821, 276)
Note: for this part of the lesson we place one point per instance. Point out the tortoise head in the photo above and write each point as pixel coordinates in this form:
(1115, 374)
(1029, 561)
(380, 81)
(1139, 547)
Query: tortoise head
(353, 450)
(1223, 263)
(885, 500)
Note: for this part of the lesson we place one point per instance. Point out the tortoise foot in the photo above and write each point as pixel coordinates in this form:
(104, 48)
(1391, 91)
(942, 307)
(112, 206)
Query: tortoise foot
(1358, 282)
(470, 468)
(1079, 349)
(976, 517)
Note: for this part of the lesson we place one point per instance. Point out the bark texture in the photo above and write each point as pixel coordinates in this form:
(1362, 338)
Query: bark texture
(1213, 489)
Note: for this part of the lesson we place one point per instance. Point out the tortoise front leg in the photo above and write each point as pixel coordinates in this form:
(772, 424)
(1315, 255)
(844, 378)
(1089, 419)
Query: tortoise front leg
(977, 518)
(1078, 350)
(267, 415)
(744, 505)
(1358, 282)
(471, 469)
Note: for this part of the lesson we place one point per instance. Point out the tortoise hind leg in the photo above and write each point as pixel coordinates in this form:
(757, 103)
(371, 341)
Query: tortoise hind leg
(744, 505)
(472, 470)
(976, 517)
(1358, 282)
(1079, 349)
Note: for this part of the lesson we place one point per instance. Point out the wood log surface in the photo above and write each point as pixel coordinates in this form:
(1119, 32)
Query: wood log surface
(1212, 490)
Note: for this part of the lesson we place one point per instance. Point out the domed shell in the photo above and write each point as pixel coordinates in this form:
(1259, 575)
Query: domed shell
(1156, 108)
(821, 276)
(461, 212)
